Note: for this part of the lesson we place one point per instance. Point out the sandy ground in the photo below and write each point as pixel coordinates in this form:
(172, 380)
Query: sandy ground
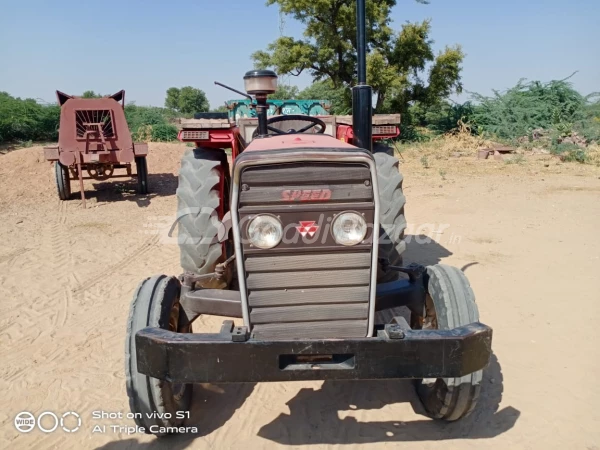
(525, 234)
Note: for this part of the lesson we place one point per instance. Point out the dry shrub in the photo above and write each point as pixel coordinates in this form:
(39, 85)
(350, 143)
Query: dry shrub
(593, 153)
(143, 133)
(459, 142)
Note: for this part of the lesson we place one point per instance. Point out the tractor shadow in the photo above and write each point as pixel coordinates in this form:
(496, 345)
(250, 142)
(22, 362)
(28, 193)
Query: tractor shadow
(315, 414)
(212, 406)
(337, 412)
(159, 184)
(424, 250)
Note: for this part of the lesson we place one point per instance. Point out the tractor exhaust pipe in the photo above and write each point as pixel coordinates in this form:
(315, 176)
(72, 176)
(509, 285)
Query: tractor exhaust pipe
(362, 94)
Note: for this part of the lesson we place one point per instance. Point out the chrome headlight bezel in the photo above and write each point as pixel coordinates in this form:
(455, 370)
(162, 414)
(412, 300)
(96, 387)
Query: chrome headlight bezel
(253, 223)
(335, 229)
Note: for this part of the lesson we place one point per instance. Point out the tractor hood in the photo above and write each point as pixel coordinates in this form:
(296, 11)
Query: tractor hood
(296, 141)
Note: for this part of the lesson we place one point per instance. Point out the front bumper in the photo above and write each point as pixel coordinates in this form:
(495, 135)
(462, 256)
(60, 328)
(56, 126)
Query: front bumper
(396, 352)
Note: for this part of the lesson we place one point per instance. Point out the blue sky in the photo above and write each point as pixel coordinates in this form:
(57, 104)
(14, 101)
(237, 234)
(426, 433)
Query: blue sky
(148, 46)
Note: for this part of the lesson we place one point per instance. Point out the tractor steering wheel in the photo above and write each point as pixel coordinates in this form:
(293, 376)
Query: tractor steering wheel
(314, 122)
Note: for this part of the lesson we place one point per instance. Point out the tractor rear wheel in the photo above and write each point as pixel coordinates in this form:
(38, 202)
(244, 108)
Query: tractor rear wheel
(450, 303)
(380, 147)
(391, 215)
(142, 174)
(63, 182)
(155, 304)
(198, 200)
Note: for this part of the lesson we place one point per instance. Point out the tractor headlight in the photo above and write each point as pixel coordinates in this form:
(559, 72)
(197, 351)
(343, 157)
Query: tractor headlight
(349, 228)
(265, 231)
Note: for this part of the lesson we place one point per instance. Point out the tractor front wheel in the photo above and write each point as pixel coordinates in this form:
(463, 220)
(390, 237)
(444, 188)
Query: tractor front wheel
(155, 403)
(63, 181)
(449, 303)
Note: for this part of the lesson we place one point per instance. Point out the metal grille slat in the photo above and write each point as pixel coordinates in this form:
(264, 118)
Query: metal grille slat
(324, 278)
(282, 297)
(311, 330)
(274, 194)
(384, 129)
(309, 313)
(305, 174)
(308, 262)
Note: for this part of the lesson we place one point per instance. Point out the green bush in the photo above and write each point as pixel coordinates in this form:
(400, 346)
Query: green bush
(589, 126)
(439, 118)
(569, 152)
(164, 132)
(150, 123)
(411, 133)
(518, 111)
(579, 155)
(24, 120)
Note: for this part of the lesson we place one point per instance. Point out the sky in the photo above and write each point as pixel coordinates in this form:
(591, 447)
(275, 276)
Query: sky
(145, 47)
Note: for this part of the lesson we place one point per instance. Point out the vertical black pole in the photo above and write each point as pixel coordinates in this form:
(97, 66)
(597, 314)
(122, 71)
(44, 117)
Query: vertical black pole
(261, 114)
(361, 41)
(362, 108)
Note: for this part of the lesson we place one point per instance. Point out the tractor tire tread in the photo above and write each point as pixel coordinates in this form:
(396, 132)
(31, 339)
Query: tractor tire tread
(391, 215)
(148, 395)
(142, 174)
(63, 183)
(453, 398)
(197, 197)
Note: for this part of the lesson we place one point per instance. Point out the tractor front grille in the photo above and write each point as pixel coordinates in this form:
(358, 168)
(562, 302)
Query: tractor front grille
(307, 287)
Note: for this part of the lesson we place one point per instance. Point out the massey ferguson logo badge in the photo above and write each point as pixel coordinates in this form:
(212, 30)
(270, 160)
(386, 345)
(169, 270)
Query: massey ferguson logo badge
(305, 195)
(308, 227)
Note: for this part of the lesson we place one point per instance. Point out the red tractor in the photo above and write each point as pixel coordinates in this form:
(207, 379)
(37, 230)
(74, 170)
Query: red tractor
(301, 242)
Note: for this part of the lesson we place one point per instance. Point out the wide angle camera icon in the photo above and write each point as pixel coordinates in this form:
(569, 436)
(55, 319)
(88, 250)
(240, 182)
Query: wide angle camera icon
(26, 422)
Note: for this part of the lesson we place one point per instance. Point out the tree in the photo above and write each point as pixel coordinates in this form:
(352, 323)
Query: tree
(172, 99)
(187, 100)
(396, 63)
(90, 94)
(340, 97)
(285, 92)
(220, 109)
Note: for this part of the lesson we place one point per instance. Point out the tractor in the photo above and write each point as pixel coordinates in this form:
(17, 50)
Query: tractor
(238, 126)
(300, 245)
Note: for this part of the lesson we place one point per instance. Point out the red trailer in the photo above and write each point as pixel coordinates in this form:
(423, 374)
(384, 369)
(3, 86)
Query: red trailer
(94, 138)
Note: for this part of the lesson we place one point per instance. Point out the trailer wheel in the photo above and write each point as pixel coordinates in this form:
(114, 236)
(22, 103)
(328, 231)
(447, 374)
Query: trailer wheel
(155, 304)
(63, 182)
(450, 303)
(142, 174)
(391, 214)
(198, 199)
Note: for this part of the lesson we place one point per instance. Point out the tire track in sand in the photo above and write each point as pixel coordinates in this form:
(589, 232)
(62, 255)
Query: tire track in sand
(140, 250)
(61, 258)
(55, 255)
